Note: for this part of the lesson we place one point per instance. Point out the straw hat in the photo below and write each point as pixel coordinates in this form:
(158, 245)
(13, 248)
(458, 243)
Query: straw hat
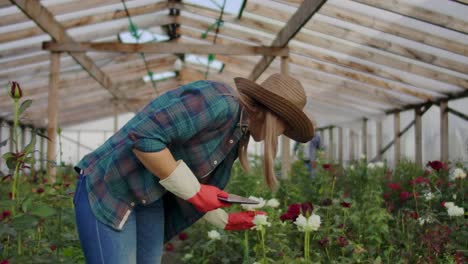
(284, 96)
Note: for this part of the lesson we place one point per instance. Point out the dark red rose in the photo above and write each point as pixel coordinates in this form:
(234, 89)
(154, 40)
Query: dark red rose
(326, 202)
(345, 204)
(419, 180)
(4, 261)
(394, 186)
(323, 242)
(413, 215)
(53, 247)
(15, 90)
(342, 241)
(10, 195)
(405, 196)
(40, 190)
(294, 210)
(386, 196)
(183, 236)
(436, 165)
(169, 247)
(326, 166)
(44, 180)
(5, 214)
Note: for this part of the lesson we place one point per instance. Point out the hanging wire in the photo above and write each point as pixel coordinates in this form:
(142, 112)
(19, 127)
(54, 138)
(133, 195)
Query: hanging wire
(133, 29)
(219, 22)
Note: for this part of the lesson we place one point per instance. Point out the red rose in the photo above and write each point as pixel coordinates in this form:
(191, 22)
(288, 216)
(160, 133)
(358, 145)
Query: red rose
(40, 190)
(436, 165)
(4, 261)
(5, 214)
(386, 196)
(345, 204)
(394, 186)
(413, 215)
(294, 210)
(323, 242)
(183, 236)
(169, 247)
(342, 241)
(53, 247)
(405, 196)
(327, 167)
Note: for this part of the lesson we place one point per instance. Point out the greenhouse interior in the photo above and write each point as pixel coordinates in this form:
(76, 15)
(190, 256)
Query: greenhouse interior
(244, 131)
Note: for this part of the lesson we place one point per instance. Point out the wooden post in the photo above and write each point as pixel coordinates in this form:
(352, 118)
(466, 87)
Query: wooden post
(396, 131)
(78, 145)
(116, 117)
(364, 138)
(340, 145)
(418, 135)
(331, 153)
(379, 139)
(52, 113)
(285, 141)
(444, 133)
(351, 145)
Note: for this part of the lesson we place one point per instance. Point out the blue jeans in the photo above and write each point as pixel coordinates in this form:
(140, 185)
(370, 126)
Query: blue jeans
(140, 241)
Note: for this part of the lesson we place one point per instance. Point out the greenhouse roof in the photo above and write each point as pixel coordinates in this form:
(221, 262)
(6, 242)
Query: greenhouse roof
(355, 58)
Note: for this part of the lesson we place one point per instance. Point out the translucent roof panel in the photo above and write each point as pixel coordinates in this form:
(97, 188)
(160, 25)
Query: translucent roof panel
(231, 7)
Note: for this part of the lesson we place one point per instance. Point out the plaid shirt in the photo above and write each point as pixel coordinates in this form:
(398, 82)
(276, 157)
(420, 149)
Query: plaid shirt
(197, 122)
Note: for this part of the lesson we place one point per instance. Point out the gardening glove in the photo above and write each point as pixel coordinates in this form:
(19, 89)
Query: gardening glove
(183, 183)
(233, 221)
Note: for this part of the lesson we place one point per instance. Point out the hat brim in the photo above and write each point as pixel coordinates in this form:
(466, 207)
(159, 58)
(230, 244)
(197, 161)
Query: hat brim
(300, 127)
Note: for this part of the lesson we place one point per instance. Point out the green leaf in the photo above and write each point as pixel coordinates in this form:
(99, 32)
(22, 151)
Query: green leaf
(203, 35)
(3, 143)
(27, 204)
(30, 147)
(25, 105)
(42, 210)
(7, 230)
(11, 164)
(24, 221)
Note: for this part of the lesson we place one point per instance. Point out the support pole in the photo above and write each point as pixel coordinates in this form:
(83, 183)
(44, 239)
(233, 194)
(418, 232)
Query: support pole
(116, 117)
(379, 139)
(418, 135)
(396, 132)
(364, 138)
(285, 141)
(331, 152)
(444, 142)
(340, 145)
(53, 114)
(351, 145)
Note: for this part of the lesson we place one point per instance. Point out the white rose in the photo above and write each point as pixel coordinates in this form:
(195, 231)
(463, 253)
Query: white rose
(455, 211)
(458, 173)
(252, 207)
(379, 164)
(363, 156)
(214, 235)
(272, 203)
(449, 204)
(371, 165)
(259, 221)
(308, 224)
(429, 196)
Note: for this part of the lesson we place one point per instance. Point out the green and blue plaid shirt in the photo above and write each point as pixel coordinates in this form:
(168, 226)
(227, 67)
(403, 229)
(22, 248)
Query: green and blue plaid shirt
(198, 122)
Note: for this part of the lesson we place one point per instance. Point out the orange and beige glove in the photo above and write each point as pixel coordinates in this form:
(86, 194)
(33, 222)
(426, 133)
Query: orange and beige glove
(183, 183)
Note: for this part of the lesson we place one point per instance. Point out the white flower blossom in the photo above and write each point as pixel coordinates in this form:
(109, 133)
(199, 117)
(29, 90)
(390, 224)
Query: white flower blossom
(425, 220)
(379, 164)
(455, 211)
(214, 235)
(187, 257)
(351, 167)
(259, 221)
(454, 196)
(371, 165)
(429, 196)
(449, 204)
(458, 173)
(272, 203)
(308, 224)
(252, 207)
(363, 156)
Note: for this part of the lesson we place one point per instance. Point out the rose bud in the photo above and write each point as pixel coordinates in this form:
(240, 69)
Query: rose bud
(15, 90)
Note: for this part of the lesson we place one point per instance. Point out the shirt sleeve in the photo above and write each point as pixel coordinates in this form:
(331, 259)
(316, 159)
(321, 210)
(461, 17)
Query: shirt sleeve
(180, 120)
